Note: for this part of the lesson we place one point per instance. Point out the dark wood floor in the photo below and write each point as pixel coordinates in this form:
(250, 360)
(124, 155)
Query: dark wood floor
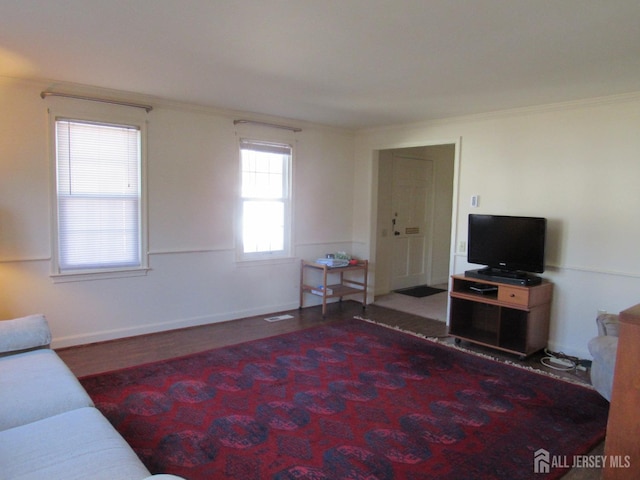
(112, 355)
(115, 354)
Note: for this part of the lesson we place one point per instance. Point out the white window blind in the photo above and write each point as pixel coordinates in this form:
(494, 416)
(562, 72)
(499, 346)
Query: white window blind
(98, 195)
(265, 195)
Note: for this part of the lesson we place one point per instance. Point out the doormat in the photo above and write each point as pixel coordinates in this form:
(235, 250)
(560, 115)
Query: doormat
(420, 291)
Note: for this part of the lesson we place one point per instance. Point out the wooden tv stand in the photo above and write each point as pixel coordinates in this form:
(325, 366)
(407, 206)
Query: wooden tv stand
(511, 318)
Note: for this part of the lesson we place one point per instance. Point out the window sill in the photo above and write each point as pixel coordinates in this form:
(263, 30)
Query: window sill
(250, 262)
(98, 275)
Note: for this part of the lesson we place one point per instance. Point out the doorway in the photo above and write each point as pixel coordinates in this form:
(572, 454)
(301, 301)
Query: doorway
(414, 215)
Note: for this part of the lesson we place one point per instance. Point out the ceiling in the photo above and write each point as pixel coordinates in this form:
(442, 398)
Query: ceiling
(347, 63)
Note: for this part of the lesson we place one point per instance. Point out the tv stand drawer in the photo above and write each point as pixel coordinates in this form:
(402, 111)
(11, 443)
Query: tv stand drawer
(513, 296)
(517, 296)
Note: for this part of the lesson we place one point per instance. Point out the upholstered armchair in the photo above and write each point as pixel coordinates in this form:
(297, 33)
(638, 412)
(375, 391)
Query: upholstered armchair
(603, 348)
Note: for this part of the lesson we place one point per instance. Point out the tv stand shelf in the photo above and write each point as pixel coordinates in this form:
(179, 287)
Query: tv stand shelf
(511, 318)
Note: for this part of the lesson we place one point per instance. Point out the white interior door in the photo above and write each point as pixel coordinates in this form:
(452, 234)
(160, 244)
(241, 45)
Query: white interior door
(411, 203)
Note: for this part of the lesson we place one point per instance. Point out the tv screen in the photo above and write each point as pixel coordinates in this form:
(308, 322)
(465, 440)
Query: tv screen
(507, 243)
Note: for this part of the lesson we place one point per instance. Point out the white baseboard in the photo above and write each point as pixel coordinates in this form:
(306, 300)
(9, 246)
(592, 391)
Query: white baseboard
(113, 334)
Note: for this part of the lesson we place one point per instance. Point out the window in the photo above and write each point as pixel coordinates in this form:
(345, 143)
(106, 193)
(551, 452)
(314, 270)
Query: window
(98, 196)
(265, 199)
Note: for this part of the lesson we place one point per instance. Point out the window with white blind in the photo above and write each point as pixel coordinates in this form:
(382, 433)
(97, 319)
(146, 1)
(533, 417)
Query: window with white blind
(265, 200)
(98, 196)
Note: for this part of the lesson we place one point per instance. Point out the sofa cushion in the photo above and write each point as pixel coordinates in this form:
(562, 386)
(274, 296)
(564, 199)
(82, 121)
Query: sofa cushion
(36, 385)
(604, 351)
(24, 333)
(608, 324)
(79, 444)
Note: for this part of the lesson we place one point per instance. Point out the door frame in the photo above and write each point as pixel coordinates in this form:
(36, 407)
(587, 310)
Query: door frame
(374, 185)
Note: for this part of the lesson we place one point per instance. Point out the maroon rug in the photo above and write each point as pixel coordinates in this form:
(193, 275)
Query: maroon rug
(353, 400)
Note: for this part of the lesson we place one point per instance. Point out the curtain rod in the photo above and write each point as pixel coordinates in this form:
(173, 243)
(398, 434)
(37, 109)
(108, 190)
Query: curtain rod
(265, 124)
(45, 94)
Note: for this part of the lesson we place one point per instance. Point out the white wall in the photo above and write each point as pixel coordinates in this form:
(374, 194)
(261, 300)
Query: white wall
(192, 179)
(576, 164)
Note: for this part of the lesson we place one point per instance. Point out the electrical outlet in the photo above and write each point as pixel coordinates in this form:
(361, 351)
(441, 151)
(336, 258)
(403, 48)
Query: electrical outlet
(462, 246)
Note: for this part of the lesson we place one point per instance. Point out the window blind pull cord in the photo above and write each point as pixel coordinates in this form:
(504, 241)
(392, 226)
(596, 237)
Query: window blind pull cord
(46, 94)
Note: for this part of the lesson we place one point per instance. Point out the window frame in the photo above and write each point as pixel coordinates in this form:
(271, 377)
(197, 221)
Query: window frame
(287, 201)
(108, 115)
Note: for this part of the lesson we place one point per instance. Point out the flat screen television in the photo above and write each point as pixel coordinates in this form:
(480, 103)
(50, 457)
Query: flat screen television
(507, 245)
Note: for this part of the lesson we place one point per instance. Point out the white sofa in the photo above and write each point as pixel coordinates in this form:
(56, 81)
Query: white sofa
(604, 348)
(49, 427)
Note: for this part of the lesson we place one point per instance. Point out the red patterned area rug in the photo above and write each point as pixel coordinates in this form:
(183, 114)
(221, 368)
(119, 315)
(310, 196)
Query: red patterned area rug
(348, 401)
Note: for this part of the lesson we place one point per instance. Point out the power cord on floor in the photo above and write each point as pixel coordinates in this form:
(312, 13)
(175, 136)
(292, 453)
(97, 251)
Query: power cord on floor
(559, 361)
